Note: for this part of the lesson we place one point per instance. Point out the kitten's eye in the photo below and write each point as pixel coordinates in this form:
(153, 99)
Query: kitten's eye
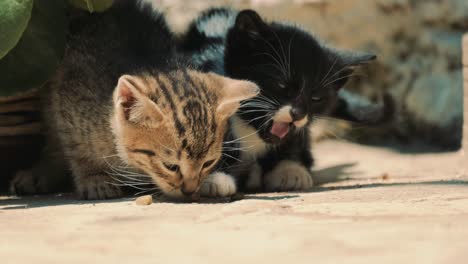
(171, 167)
(144, 151)
(316, 99)
(208, 163)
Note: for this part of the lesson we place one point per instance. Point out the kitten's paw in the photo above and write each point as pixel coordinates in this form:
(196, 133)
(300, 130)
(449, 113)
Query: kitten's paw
(288, 176)
(24, 183)
(98, 187)
(218, 184)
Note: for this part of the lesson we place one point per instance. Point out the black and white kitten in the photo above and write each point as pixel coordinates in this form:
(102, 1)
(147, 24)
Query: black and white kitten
(300, 79)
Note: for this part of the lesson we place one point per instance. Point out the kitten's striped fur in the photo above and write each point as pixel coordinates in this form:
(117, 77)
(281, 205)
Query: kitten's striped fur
(125, 109)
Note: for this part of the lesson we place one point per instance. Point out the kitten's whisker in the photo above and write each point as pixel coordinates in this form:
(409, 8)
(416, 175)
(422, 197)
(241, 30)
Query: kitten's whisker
(273, 65)
(329, 71)
(277, 54)
(238, 149)
(280, 66)
(166, 147)
(128, 177)
(110, 156)
(338, 72)
(282, 50)
(257, 105)
(232, 157)
(260, 117)
(252, 111)
(289, 54)
(134, 178)
(259, 100)
(267, 99)
(117, 170)
(125, 184)
(142, 192)
(238, 139)
(266, 121)
(341, 78)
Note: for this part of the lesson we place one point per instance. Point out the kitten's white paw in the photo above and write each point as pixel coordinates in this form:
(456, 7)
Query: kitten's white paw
(288, 176)
(218, 184)
(24, 182)
(98, 187)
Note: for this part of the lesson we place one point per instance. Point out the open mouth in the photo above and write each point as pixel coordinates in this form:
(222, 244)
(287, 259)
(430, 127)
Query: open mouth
(280, 129)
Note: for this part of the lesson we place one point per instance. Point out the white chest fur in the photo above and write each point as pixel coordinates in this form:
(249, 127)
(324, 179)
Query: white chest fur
(251, 144)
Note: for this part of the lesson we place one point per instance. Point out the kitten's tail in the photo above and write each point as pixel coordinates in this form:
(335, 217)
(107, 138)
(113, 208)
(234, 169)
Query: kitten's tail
(357, 109)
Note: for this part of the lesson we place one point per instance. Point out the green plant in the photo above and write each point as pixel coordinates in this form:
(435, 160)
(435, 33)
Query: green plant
(32, 40)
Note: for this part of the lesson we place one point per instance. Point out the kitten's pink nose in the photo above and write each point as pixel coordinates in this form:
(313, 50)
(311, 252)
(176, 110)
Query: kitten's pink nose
(189, 187)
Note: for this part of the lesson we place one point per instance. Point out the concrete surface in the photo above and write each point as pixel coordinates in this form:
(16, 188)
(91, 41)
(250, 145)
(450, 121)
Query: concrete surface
(373, 205)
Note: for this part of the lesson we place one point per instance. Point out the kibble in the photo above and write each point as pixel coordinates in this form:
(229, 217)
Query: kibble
(144, 200)
(385, 176)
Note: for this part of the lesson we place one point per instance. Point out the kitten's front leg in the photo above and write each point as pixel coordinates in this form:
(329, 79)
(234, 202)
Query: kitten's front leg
(93, 183)
(46, 176)
(218, 184)
(288, 176)
(25, 183)
(97, 187)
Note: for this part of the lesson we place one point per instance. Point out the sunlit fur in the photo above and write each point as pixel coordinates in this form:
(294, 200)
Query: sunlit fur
(299, 77)
(125, 108)
(177, 123)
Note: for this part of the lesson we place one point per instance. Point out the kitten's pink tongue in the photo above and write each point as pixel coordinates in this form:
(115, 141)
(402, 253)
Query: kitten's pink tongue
(280, 129)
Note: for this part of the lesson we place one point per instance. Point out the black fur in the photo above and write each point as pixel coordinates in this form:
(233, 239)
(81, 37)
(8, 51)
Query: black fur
(290, 66)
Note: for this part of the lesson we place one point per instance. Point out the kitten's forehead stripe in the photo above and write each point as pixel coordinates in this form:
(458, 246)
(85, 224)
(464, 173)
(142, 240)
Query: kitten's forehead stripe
(180, 128)
(197, 117)
(188, 96)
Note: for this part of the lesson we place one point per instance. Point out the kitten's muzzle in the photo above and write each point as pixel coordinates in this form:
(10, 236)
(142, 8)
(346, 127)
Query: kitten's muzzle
(287, 118)
(189, 187)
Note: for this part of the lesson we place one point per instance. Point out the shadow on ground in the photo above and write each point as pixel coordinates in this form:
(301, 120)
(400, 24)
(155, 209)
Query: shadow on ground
(330, 175)
(28, 202)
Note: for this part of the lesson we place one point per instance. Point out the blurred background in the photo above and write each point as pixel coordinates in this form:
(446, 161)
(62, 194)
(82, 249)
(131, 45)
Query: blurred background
(418, 43)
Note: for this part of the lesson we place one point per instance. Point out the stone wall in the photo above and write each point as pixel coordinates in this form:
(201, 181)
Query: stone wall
(419, 50)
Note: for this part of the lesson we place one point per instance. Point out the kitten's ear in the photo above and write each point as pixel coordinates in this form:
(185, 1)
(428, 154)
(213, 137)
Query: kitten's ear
(232, 93)
(356, 59)
(249, 21)
(133, 105)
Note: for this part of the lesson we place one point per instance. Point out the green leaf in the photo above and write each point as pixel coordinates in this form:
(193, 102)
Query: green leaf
(14, 17)
(34, 59)
(92, 5)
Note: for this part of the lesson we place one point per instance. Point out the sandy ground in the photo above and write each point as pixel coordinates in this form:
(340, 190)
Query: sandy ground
(373, 205)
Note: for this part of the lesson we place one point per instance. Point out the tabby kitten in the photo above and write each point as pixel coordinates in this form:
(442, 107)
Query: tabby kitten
(300, 79)
(125, 108)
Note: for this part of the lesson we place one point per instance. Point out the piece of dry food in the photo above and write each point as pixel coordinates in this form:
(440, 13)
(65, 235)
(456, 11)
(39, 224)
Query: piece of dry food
(237, 196)
(144, 200)
(385, 176)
